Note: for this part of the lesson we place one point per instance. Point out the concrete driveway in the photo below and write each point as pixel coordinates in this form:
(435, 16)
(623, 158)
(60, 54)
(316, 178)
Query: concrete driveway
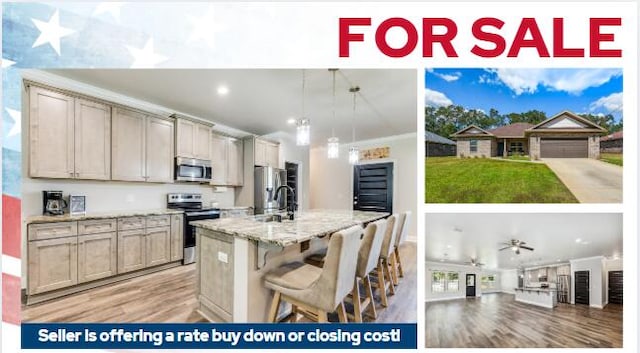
(590, 180)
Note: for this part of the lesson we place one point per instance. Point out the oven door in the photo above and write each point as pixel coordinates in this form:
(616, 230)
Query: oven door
(193, 170)
(190, 231)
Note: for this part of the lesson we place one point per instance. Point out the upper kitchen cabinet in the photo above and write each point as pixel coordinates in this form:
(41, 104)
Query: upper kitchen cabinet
(193, 139)
(266, 153)
(69, 137)
(142, 147)
(227, 160)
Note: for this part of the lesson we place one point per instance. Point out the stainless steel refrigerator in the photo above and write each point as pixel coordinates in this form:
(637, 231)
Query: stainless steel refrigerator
(267, 181)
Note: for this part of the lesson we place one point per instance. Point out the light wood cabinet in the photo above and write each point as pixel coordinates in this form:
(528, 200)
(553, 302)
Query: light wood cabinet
(215, 271)
(273, 155)
(53, 264)
(128, 154)
(68, 137)
(177, 237)
(227, 156)
(97, 256)
(131, 250)
(193, 140)
(159, 148)
(260, 154)
(266, 153)
(158, 246)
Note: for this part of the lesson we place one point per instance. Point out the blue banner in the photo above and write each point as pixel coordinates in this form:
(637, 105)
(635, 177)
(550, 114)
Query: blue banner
(218, 336)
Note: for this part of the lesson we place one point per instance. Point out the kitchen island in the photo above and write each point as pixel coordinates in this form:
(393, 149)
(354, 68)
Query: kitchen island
(545, 297)
(234, 254)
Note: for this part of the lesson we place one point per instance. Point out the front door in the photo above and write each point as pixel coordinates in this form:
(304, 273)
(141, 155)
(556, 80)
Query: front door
(373, 187)
(500, 149)
(582, 287)
(471, 285)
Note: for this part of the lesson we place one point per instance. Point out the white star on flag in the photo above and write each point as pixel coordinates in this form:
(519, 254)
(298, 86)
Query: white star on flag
(6, 63)
(51, 32)
(112, 8)
(17, 118)
(145, 57)
(205, 28)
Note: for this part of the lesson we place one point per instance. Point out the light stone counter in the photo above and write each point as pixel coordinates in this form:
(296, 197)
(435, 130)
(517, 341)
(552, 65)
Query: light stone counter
(100, 215)
(546, 297)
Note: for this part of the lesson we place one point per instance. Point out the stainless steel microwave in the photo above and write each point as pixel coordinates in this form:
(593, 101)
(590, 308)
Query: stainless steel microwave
(194, 170)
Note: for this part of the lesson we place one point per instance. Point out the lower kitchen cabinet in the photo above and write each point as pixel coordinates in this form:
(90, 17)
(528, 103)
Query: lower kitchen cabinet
(177, 237)
(53, 264)
(97, 256)
(216, 294)
(158, 246)
(132, 250)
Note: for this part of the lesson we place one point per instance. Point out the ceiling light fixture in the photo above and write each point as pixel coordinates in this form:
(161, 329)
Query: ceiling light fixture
(578, 240)
(303, 125)
(333, 143)
(291, 121)
(354, 153)
(223, 90)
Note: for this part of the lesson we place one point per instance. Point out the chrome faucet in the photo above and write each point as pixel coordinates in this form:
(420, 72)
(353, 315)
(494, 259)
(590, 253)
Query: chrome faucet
(291, 208)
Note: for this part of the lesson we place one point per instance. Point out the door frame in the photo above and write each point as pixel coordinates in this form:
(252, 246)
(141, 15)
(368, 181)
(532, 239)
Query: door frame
(394, 170)
(475, 284)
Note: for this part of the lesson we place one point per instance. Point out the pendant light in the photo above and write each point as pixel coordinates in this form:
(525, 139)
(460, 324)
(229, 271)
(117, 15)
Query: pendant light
(354, 153)
(303, 125)
(333, 143)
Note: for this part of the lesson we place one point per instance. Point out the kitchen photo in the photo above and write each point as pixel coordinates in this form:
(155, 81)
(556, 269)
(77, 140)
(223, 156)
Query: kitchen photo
(211, 195)
(524, 280)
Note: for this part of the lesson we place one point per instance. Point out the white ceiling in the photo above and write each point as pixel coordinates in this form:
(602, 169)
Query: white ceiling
(552, 235)
(260, 101)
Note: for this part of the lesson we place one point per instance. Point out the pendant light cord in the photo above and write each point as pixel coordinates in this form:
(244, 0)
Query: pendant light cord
(333, 128)
(303, 86)
(355, 91)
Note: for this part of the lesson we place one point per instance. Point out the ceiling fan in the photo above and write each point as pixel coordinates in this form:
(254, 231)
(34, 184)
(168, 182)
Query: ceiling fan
(515, 245)
(474, 262)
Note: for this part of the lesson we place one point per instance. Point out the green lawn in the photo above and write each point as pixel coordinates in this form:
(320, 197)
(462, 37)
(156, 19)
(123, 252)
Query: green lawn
(455, 180)
(613, 158)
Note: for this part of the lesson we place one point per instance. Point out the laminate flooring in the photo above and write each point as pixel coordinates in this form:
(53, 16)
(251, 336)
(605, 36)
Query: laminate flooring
(498, 321)
(169, 296)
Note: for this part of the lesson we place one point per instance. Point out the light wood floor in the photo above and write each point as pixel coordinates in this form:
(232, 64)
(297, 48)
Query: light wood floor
(498, 321)
(169, 296)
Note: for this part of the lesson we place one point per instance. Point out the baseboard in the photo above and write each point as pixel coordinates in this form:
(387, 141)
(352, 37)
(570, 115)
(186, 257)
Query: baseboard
(596, 306)
(443, 299)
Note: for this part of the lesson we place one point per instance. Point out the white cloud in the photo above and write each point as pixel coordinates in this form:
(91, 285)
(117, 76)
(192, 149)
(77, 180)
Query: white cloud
(611, 103)
(449, 77)
(436, 99)
(572, 81)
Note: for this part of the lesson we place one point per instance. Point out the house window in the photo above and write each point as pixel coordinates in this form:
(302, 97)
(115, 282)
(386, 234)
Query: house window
(516, 147)
(442, 282)
(473, 146)
(488, 282)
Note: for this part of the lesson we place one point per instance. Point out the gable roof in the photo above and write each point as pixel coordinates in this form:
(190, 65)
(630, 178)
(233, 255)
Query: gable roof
(568, 121)
(472, 130)
(513, 130)
(431, 137)
(615, 136)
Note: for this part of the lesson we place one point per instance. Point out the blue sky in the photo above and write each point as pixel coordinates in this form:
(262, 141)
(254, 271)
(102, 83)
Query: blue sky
(595, 91)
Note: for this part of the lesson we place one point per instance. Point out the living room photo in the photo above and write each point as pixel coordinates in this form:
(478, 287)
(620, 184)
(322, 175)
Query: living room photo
(523, 135)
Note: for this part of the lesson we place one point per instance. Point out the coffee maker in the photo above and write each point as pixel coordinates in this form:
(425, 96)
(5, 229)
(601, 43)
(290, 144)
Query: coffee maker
(52, 203)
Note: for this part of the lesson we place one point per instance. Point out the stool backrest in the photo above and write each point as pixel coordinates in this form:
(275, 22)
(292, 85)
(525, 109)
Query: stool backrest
(370, 247)
(403, 229)
(339, 270)
(389, 240)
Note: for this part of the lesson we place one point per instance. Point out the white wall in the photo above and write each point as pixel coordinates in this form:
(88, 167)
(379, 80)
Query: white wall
(509, 281)
(462, 272)
(595, 266)
(331, 180)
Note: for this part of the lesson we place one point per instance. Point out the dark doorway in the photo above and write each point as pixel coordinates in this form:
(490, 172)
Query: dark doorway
(582, 287)
(373, 187)
(500, 149)
(615, 287)
(471, 285)
(292, 181)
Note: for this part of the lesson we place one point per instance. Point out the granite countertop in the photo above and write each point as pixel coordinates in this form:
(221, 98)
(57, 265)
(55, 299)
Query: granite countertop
(100, 215)
(307, 225)
(535, 289)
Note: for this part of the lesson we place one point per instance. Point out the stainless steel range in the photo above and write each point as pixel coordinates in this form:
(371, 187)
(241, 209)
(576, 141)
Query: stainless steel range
(191, 204)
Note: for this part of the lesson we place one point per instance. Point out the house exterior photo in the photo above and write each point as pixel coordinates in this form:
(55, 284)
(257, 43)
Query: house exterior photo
(612, 143)
(438, 146)
(565, 135)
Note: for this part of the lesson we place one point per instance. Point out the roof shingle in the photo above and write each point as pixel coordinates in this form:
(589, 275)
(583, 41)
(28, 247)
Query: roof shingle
(513, 130)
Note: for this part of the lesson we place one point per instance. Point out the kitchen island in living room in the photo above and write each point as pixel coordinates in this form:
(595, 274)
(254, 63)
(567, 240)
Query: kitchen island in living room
(235, 254)
(545, 297)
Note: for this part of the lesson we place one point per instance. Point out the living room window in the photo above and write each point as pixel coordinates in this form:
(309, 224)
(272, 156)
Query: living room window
(488, 282)
(442, 282)
(516, 147)
(473, 146)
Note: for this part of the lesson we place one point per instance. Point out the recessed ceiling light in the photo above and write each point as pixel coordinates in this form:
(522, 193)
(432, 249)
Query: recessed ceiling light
(223, 90)
(291, 121)
(558, 260)
(448, 246)
(441, 260)
(578, 240)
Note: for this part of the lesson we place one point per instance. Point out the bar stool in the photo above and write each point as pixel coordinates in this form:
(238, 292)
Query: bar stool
(314, 291)
(400, 239)
(386, 261)
(367, 260)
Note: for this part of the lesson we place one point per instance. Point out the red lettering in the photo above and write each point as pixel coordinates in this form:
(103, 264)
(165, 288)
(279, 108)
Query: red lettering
(559, 51)
(345, 37)
(596, 37)
(528, 25)
(381, 37)
(496, 39)
(429, 38)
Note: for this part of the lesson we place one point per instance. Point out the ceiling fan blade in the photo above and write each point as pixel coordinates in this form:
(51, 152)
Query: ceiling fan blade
(505, 248)
(526, 248)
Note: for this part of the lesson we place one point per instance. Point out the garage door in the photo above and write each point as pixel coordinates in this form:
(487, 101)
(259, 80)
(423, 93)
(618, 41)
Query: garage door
(564, 148)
